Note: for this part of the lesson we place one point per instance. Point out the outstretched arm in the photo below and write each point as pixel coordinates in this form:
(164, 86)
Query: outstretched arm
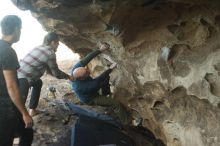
(83, 62)
(89, 57)
(53, 68)
(105, 75)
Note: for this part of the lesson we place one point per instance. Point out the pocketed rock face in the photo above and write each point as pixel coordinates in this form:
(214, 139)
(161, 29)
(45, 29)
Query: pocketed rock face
(168, 54)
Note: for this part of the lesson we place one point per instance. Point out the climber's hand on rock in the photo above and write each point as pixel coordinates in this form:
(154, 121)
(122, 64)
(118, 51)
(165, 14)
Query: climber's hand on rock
(113, 65)
(104, 46)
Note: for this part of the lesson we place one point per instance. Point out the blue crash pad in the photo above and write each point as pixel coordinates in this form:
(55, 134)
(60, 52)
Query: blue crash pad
(91, 113)
(89, 131)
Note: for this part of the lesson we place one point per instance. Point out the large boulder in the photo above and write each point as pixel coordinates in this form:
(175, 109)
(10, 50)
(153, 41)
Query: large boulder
(168, 54)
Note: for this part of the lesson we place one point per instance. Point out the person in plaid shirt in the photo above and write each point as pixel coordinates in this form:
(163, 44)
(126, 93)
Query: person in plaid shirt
(35, 64)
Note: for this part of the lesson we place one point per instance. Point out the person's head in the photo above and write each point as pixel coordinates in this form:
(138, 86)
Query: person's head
(11, 28)
(51, 39)
(81, 73)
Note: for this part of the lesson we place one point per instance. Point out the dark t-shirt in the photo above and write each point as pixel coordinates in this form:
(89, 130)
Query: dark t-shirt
(8, 61)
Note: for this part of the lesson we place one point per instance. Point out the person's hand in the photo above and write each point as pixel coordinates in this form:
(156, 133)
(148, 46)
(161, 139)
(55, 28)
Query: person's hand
(104, 46)
(71, 78)
(28, 121)
(113, 65)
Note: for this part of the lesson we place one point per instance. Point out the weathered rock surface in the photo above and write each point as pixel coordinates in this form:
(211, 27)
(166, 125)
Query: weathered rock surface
(168, 53)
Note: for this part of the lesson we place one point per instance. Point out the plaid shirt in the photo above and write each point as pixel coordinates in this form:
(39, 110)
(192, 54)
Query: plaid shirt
(37, 61)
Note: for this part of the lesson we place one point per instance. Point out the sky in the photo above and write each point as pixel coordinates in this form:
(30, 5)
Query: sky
(32, 33)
